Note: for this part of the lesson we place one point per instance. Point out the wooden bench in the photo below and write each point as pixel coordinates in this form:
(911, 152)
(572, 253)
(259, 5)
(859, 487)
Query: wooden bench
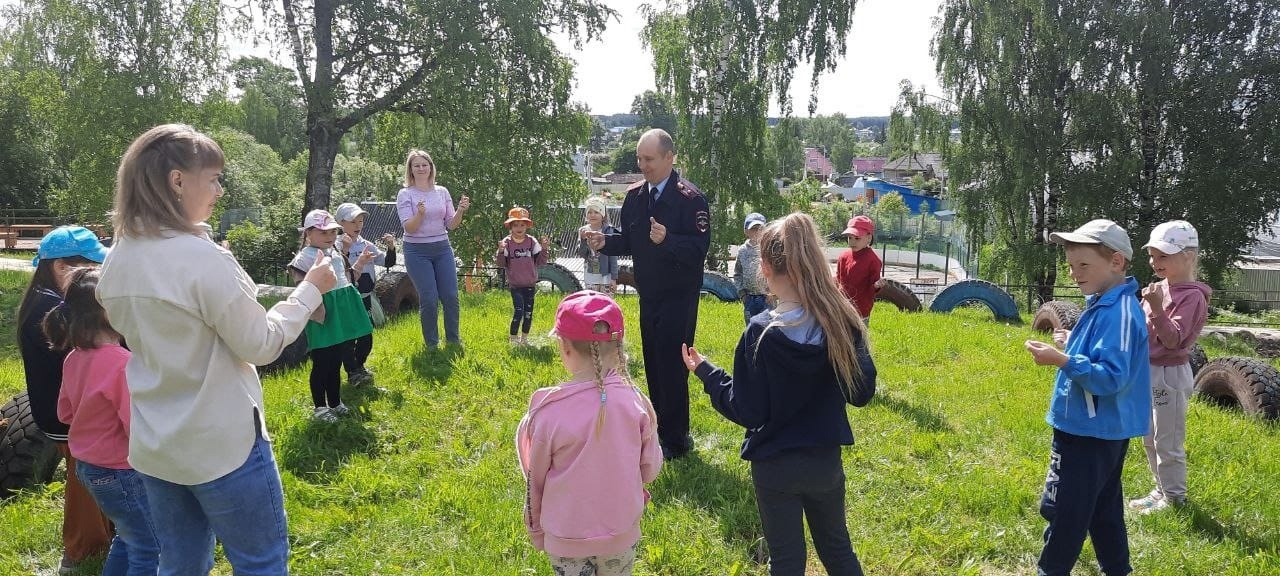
(39, 229)
(8, 239)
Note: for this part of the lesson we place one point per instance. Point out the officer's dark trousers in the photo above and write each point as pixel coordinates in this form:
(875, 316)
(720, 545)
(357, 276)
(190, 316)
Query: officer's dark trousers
(666, 321)
(1082, 495)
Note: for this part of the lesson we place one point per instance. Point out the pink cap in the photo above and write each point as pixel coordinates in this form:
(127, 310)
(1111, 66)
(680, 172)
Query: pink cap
(578, 313)
(320, 219)
(860, 225)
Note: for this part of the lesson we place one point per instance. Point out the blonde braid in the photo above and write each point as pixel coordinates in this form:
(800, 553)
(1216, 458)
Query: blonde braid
(595, 361)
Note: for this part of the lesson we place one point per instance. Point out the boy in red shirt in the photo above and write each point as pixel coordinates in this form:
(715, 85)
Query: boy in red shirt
(858, 270)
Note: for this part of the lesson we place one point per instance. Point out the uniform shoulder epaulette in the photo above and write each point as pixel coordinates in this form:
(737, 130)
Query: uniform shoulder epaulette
(688, 188)
(635, 186)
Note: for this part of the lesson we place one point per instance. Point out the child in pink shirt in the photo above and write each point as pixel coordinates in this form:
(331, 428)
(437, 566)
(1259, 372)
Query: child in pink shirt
(520, 255)
(584, 507)
(94, 401)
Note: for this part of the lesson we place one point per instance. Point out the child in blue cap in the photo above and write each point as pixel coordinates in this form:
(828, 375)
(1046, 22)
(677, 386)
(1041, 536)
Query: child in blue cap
(746, 277)
(85, 530)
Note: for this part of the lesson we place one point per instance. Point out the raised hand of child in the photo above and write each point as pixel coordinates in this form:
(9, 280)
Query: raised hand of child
(691, 356)
(1153, 296)
(1045, 354)
(545, 241)
(321, 274)
(502, 245)
(388, 240)
(365, 257)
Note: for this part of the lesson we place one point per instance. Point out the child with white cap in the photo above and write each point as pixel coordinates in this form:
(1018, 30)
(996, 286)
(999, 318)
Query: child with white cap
(587, 447)
(335, 325)
(746, 274)
(599, 271)
(355, 247)
(1176, 308)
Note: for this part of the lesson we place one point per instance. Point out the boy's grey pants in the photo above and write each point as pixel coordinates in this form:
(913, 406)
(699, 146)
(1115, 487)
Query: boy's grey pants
(1166, 443)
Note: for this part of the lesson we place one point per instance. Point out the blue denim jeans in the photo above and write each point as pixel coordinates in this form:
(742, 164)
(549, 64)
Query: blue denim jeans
(244, 510)
(753, 304)
(122, 497)
(435, 276)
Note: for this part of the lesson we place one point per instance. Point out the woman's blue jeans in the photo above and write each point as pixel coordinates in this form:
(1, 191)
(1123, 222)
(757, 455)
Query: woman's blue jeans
(122, 497)
(244, 510)
(435, 275)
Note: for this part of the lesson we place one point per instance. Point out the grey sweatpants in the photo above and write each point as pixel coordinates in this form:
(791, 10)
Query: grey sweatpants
(1166, 443)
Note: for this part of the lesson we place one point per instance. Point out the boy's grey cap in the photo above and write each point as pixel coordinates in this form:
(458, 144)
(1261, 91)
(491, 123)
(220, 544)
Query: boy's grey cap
(753, 219)
(1100, 231)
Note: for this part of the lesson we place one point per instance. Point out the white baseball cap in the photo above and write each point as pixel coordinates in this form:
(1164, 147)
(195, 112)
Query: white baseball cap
(320, 220)
(1173, 237)
(348, 212)
(1100, 231)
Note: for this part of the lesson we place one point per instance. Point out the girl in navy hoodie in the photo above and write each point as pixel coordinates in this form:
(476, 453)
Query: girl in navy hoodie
(794, 370)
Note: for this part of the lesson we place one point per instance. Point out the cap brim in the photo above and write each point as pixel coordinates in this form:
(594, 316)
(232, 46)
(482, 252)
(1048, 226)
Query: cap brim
(1161, 245)
(1073, 238)
(751, 225)
(98, 255)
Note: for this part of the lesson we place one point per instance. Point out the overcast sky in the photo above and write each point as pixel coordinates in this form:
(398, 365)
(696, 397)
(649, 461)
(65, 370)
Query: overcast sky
(888, 42)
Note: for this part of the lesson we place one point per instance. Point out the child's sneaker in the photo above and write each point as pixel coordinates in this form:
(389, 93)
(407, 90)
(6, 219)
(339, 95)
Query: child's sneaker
(340, 410)
(524, 339)
(513, 340)
(360, 378)
(325, 415)
(1142, 505)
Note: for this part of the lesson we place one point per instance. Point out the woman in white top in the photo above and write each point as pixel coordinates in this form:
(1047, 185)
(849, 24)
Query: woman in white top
(192, 320)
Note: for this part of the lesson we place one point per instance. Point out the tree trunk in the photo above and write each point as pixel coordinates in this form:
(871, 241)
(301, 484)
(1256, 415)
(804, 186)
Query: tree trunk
(323, 148)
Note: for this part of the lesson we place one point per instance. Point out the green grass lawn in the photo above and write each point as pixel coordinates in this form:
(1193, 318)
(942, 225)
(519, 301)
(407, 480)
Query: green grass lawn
(945, 477)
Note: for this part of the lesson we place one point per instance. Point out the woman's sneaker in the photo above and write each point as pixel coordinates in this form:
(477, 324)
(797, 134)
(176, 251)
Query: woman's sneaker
(323, 414)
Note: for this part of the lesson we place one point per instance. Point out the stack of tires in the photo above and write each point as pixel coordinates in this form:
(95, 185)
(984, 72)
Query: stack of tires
(27, 457)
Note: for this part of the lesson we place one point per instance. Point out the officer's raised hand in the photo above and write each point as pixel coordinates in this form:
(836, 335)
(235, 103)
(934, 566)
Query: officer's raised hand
(594, 239)
(657, 232)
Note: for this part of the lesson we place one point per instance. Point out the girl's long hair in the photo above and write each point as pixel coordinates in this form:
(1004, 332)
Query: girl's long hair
(790, 246)
(80, 319)
(597, 351)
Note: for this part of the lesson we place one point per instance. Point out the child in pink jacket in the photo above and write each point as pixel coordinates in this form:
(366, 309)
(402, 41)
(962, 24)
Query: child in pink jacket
(584, 507)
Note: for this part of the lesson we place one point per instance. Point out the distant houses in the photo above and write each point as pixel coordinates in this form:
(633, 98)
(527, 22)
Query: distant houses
(869, 166)
(926, 164)
(817, 164)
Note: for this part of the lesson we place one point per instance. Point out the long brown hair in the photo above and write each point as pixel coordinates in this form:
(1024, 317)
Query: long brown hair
(45, 279)
(790, 246)
(79, 320)
(145, 203)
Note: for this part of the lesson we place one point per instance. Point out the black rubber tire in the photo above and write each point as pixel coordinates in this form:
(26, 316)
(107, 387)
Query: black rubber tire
(713, 283)
(719, 285)
(994, 297)
(1197, 359)
(396, 293)
(561, 278)
(292, 355)
(27, 457)
(1056, 315)
(1249, 383)
(899, 295)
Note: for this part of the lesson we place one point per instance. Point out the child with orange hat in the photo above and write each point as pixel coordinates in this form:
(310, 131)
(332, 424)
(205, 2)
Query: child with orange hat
(858, 270)
(521, 255)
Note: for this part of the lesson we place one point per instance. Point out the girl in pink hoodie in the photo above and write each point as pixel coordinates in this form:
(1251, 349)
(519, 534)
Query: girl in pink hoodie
(587, 447)
(1177, 308)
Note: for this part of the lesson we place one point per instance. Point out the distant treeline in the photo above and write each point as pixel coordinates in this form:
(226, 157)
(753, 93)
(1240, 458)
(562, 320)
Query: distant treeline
(614, 120)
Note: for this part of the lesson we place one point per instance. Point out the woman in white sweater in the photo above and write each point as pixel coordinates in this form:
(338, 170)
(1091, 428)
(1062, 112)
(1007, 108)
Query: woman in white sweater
(190, 315)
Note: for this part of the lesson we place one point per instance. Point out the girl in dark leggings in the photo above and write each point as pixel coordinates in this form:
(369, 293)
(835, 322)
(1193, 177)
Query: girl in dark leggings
(793, 372)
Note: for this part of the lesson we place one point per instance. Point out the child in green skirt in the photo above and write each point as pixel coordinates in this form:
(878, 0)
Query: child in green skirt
(336, 325)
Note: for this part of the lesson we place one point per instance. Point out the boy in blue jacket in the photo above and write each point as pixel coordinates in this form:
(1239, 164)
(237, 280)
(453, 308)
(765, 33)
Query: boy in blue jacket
(1101, 398)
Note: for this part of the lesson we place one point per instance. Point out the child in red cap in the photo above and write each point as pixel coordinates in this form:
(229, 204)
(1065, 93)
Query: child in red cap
(858, 270)
(520, 255)
(583, 507)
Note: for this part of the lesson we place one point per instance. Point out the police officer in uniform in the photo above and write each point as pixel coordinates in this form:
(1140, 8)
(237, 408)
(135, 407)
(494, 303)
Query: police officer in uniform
(666, 229)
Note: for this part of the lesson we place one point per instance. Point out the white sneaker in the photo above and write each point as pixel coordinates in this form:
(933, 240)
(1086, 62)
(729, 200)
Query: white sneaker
(325, 415)
(513, 341)
(1145, 503)
(524, 339)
